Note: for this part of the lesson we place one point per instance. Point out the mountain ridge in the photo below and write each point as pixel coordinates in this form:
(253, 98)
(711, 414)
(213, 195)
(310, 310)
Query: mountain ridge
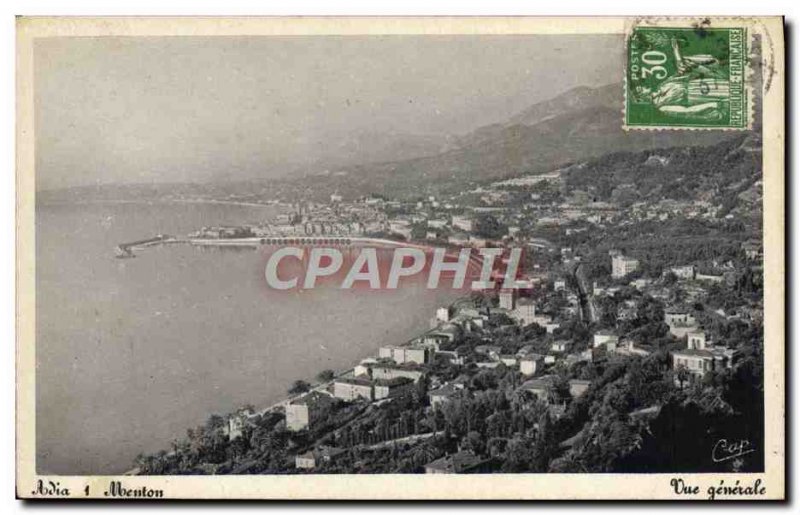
(579, 124)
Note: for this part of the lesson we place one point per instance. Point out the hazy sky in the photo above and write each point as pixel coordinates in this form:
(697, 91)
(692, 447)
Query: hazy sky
(198, 109)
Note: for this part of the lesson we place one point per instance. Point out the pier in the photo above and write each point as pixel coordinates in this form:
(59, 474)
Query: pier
(125, 250)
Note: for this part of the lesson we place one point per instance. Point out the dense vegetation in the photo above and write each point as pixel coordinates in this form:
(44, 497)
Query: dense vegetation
(607, 429)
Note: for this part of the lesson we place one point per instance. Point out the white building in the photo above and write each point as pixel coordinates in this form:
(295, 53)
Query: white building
(683, 272)
(531, 365)
(464, 223)
(676, 315)
(478, 242)
(525, 311)
(387, 371)
(304, 412)
(710, 277)
(696, 340)
(508, 299)
(577, 387)
(400, 354)
(237, 421)
(700, 357)
(605, 337)
(353, 388)
(400, 226)
(622, 266)
(458, 238)
(509, 360)
(681, 322)
(322, 456)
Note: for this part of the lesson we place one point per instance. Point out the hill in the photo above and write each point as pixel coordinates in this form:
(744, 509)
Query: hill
(581, 124)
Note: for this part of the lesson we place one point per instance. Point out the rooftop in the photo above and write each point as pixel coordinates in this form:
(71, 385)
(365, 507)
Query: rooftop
(699, 353)
(606, 332)
(445, 391)
(395, 381)
(405, 366)
(539, 382)
(313, 399)
(354, 381)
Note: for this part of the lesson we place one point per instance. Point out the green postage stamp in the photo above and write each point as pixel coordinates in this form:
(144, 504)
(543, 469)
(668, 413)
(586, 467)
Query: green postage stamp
(687, 78)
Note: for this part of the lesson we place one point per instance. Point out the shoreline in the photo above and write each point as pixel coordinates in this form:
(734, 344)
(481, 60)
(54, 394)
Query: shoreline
(160, 201)
(316, 386)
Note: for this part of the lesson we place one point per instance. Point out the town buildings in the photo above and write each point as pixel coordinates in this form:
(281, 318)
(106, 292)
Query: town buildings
(605, 337)
(578, 387)
(540, 387)
(324, 455)
(701, 357)
(353, 388)
(681, 321)
(474, 339)
(507, 299)
(392, 388)
(465, 223)
(525, 311)
(406, 354)
(683, 272)
(444, 394)
(302, 413)
(622, 266)
(531, 365)
(237, 422)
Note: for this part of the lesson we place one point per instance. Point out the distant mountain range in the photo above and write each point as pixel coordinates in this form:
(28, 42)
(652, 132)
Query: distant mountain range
(375, 147)
(580, 124)
(574, 100)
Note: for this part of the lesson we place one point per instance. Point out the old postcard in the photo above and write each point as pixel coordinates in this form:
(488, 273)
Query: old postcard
(400, 258)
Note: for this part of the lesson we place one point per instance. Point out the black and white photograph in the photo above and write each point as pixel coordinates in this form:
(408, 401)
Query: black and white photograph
(304, 254)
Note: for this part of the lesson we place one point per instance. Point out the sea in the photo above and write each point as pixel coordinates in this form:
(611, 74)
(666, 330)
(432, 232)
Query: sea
(130, 353)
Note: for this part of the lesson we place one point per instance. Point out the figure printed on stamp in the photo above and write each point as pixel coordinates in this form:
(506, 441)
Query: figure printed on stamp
(700, 90)
(685, 78)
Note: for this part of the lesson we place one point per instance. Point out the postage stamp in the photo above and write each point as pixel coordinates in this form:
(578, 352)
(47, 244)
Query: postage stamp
(687, 77)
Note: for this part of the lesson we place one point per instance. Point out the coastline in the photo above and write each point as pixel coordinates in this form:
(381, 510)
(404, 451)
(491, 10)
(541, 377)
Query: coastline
(318, 386)
(163, 201)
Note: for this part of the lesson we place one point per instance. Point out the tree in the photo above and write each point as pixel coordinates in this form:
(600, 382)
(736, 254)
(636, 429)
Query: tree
(299, 386)
(682, 375)
(214, 423)
(520, 455)
(326, 375)
(474, 442)
(487, 226)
